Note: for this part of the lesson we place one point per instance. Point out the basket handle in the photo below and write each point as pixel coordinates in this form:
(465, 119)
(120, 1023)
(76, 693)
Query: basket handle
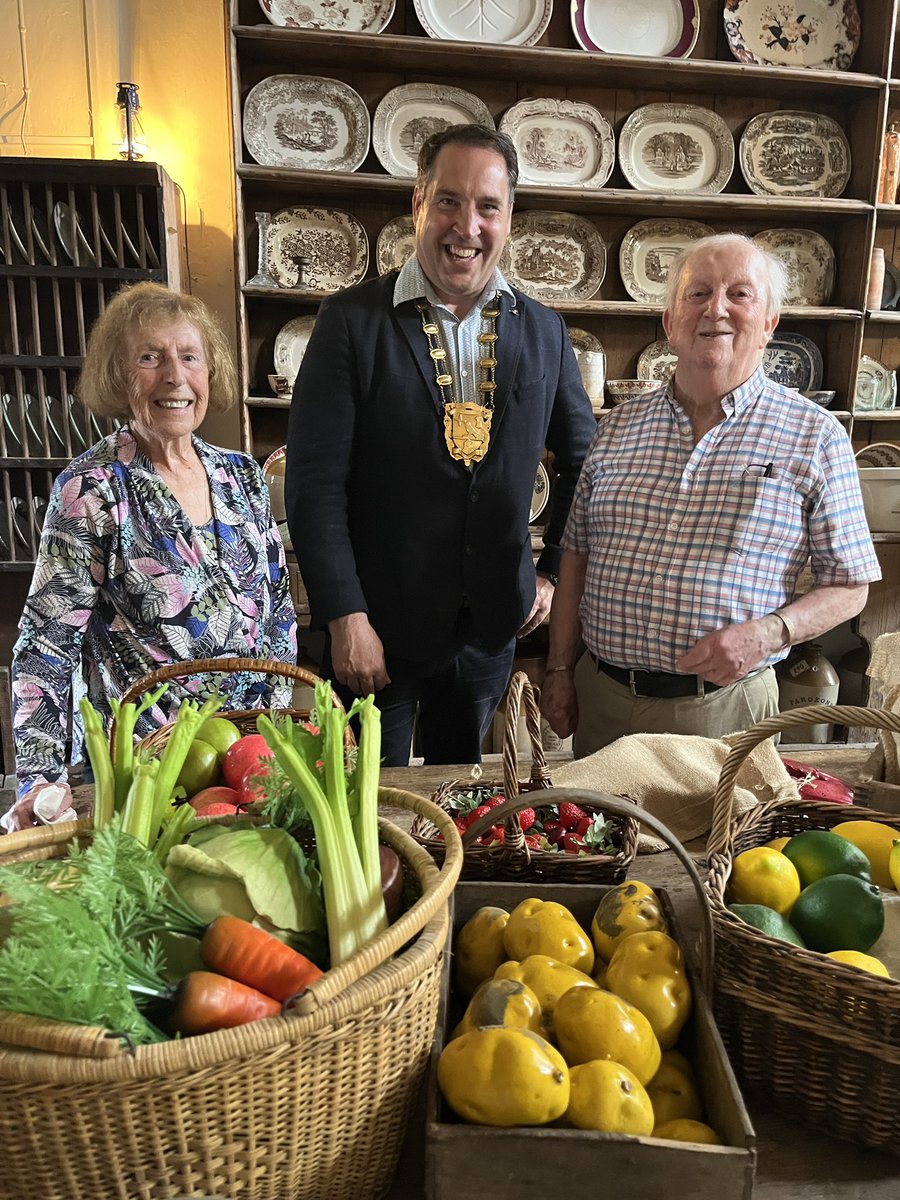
(811, 714)
(415, 919)
(205, 666)
(58, 1037)
(521, 691)
(625, 808)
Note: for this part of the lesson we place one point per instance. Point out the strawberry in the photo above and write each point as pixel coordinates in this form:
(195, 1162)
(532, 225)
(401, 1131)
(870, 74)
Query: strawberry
(460, 824)
(526, 818)
(496, 833)
(549, 826)
(495, 800)
(572, 844)
(583, 826)
(570, 815)
(534, 840)
(473, 816)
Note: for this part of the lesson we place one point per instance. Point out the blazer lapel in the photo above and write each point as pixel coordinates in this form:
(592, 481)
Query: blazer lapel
(508, 349)
(410, 323)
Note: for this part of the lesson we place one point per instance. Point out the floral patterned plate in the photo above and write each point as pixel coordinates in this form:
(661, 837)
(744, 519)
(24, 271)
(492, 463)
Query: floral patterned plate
(332, 242)
(821, 34)
(676, 148)
(409, 114)
(290, 346)
(503, 22)
(561, 143)
(396, 242)
(646, 253)
(350, 16)
(652, 28)
(657, 361)
(809, 260)
(554, 256)
(307, 122)
(787, 153)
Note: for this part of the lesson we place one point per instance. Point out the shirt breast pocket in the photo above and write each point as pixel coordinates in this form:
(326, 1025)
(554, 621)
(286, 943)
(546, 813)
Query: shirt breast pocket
(758, 514)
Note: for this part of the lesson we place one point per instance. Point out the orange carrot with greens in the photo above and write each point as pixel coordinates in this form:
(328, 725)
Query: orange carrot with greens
(243, 952)
(206, 1002)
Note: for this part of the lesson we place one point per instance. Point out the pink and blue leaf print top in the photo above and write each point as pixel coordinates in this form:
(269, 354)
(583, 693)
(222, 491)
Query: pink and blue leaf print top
(125, 583)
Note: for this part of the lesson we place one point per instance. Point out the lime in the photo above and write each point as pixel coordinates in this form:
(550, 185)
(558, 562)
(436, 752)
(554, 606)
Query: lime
(865, 962)
(875, 839)
(768, 921)
(819, 852)
(839, 912)
(762, 875)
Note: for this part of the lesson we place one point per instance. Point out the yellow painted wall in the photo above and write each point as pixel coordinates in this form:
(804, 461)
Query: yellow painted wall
(65, 58)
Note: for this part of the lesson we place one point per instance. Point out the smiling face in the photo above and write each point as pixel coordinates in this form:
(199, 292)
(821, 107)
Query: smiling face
(718, 325)
(169, 380)
(462, 223)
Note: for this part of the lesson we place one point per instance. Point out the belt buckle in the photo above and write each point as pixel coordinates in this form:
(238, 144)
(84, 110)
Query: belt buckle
(633, 685)
(701, 685)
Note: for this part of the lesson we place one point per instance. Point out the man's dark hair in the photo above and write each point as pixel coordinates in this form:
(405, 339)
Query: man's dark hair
(477, 136)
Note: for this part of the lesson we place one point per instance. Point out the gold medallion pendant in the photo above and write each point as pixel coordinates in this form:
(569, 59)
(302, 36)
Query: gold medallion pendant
(467, 430)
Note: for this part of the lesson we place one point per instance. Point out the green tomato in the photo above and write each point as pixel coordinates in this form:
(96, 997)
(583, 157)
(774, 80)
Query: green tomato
(219, 733)
(201, 768)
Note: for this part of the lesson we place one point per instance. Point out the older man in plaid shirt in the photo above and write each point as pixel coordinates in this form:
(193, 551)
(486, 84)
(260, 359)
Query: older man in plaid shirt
(695, 513)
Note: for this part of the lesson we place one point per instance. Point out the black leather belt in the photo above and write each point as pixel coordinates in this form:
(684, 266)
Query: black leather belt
(657, 684)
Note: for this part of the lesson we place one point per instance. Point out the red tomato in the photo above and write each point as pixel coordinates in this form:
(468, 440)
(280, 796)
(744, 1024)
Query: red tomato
(215, 796)
(243, 755)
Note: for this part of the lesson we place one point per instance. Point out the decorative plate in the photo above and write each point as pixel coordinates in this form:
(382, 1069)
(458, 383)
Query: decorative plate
(68, 229)
(516, 23)
(890, 293)
(290, 346)
(356, 16)
(676, 148)
(794, 361)
(790, 153)
(561, 143)
(808, 259)
(657, 361)
(333, 243)
(273, 473)
(879, 454)
(540, 494)
(822, 34)
(396, 242)
(582, 340)
(307, 122)
(646, 253)
(409, 114)
(876, 386)
(554, 256)
(653, 28)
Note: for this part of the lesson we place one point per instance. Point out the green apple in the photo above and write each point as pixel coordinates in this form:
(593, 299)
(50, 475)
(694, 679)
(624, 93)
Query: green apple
(219, 733)
(201, 768)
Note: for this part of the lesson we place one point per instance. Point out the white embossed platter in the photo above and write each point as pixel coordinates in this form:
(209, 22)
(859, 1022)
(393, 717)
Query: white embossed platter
(657, 361)
(808, 259)
(307, 122)
(561, 143)
(794, 360)
(501, 22)
(350, 16)
(396, 242)
(554, 256)
(583, 340)
(646, 253)
(290, 346)
(651, 28)
(69, 228)
(876, 386)
(819, 34)
(788, 153)
(409, 114)
(333, 243)
(540, 493)
(676, 148)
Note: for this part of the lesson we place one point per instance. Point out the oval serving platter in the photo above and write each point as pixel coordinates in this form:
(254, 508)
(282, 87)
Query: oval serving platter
(794, 360)
(676, 148)
(350, 16)
(409, 114)
(583, 340)
(307, 122)
(788, 153)
(561, 143)
(657, 361)
(290, 346)
(333, 243)
(395, 243)
(554, 256)
(500, 22)
(818, 34)
(646, 253)
(808, 259)
(651, 28)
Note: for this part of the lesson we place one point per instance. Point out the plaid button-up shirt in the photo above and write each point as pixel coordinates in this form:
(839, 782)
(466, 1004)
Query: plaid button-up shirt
(683, 539)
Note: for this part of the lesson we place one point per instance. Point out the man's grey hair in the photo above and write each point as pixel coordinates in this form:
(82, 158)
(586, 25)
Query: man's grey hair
(774, 269)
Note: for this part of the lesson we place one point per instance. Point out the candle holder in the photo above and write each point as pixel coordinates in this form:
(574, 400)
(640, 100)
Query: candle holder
(302, 262)
(263, 278)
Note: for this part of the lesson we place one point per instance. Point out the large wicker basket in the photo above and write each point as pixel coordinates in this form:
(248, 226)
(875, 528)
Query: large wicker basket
(301, 1107)
(819, 1038)
(514, 859)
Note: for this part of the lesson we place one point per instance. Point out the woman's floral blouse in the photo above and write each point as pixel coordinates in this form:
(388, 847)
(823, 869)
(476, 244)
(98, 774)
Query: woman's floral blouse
(124, 583)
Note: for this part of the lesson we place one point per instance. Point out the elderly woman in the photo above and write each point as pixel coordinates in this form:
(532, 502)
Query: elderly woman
(156, 548)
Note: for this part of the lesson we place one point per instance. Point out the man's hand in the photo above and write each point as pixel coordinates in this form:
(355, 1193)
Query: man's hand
(559, 702)
(55, 806)
(543, 599)
(357, 654)
(732, 652)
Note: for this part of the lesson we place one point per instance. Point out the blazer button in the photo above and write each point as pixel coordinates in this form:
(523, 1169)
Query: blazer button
(473, 496)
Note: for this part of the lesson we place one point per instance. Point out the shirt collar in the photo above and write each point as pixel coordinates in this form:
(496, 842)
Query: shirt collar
(735, 401)
(412, 284)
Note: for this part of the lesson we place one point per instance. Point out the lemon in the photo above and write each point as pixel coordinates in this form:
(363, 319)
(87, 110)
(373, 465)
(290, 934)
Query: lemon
(591, 1023)
(764, 876)
(608, 1097)
(688, 1131)
(673, 1095)
(839, 912)
(817, 853)
(875, 839)
(778, 843)
(505, 1077)
(630, 907)
(865, 962)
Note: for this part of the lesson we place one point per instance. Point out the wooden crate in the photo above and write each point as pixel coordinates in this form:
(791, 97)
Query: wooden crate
(471, 1162)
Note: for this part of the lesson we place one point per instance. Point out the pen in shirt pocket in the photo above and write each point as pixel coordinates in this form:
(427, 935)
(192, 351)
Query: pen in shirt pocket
(759, 470)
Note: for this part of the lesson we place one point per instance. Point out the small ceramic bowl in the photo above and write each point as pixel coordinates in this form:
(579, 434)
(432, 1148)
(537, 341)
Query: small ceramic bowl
(618, 390)
(823, 398)
(280, 385)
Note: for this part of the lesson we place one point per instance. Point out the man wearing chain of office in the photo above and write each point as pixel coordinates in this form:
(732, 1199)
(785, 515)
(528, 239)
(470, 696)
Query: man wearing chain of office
(423, 406)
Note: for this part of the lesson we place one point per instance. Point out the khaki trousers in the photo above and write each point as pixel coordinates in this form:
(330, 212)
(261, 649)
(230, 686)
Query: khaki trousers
(607, 710)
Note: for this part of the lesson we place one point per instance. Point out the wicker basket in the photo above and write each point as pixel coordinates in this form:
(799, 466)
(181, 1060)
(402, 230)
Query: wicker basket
(290, 1108)
(514, 859)
(817, 1037)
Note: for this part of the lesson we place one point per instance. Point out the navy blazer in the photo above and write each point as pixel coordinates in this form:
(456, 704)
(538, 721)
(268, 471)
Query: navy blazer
(382, 520)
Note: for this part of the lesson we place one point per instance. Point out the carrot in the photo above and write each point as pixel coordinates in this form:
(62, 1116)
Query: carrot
(241, 951)
(205, 1002)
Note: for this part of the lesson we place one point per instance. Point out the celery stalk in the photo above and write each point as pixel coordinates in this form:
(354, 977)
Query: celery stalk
(174, 830)
(126, 717)
(368, 767)
(137, 817)
(187, 724)
(97, 749)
